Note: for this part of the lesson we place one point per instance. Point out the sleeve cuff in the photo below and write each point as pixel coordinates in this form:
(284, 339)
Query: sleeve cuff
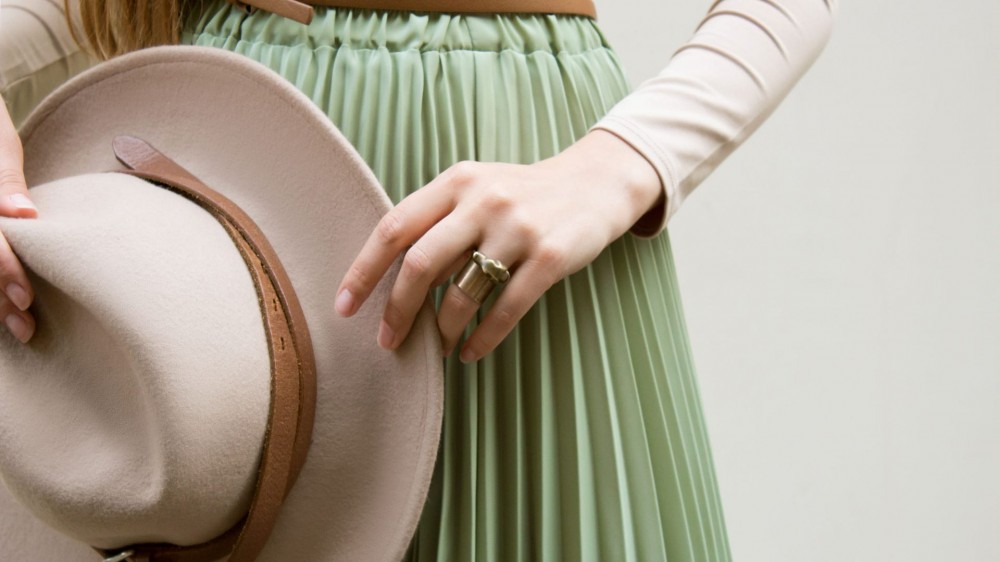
(654, 220)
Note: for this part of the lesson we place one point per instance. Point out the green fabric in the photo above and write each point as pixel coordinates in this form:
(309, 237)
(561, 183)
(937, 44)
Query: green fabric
(582, 436)
(37, 54)
(23, 94)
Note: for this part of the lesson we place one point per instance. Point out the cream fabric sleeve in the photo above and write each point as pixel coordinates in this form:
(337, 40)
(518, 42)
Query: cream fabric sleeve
(37, 53)
(743, 59)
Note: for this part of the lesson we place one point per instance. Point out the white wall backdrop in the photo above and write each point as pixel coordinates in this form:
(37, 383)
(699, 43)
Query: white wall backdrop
(841, 279)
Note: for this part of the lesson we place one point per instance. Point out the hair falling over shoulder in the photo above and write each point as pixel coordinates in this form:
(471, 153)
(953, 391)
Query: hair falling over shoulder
(114, 27)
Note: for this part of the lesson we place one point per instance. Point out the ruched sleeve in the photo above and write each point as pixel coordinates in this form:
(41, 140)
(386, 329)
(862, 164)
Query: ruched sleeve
(743, 59)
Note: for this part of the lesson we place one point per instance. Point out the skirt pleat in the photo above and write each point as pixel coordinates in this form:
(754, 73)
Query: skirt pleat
(581, 437)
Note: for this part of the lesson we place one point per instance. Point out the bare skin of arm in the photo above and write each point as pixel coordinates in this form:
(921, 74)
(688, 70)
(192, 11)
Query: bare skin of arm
(544, 221)
(550, 219)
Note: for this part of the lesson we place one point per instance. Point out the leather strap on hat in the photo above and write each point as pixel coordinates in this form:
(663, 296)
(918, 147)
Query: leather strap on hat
(293, 371)
(302, 11)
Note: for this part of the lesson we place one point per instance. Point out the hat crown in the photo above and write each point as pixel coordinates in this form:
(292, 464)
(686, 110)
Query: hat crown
(153, 433)
(273, 154)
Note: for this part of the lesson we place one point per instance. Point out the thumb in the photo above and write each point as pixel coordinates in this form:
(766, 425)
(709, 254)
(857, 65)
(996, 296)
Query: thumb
(14, 200)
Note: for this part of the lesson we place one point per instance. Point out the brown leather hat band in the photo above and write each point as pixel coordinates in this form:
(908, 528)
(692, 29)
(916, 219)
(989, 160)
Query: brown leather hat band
(293, 371)
(303, 12)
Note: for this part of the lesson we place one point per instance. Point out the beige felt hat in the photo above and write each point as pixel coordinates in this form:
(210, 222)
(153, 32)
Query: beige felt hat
(172, 352)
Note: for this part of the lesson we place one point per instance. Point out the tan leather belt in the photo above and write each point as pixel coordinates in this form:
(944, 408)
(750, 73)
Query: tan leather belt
(303, 11)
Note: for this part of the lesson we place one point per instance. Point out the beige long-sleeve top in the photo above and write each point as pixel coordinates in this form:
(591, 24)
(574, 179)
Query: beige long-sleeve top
(717, 89)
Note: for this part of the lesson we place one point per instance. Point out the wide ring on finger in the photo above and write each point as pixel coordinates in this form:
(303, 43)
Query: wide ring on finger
(480, 276)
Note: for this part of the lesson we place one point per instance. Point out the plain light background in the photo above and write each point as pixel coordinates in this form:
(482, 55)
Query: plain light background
(840, 275)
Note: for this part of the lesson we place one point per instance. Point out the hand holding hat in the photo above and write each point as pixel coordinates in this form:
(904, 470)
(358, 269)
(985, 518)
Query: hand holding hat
(137, 418)
(16, 293)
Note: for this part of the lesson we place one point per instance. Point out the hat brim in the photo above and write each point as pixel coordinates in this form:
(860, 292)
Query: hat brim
(249, 134)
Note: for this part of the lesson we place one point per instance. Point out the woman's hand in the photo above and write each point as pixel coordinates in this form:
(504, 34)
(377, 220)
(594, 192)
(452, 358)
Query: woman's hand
(544, 221)
(15, 291)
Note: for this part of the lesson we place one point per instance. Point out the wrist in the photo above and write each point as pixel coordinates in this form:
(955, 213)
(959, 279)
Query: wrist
(604, 158)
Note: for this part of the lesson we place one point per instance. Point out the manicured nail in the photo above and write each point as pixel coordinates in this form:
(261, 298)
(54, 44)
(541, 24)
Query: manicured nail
(345, 303)
(18, 327)
(21, 201)
(386, 336)
(18, 296)
(467, 356)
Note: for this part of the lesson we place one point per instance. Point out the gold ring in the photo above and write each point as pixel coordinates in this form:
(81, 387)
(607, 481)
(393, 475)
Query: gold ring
(480, 276)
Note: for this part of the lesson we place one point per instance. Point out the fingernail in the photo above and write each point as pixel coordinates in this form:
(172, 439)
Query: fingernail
(386, 336)
(345, 303)
(18, 327)
(21, 201)
(18, 296)
(467, 356)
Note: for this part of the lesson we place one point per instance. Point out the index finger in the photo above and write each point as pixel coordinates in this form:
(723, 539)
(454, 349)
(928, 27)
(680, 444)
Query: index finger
(395, 232)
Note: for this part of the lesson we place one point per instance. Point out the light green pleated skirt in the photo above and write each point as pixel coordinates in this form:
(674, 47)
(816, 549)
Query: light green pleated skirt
(582, 436)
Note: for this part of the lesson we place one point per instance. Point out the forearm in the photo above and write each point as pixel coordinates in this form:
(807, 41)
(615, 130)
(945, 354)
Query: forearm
(718, 88)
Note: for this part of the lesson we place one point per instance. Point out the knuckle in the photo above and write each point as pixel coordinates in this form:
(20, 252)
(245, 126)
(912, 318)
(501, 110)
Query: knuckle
(10, 267)
(390, 228)
(498, 201)
(464, 172)
(481, 343)
(476, 345)
(7, 307)
(504, 319)
(416, 264)
(522, 228)
(359, 280)
(551, 260)
(393, 314)
(550, 256)
(11, 181)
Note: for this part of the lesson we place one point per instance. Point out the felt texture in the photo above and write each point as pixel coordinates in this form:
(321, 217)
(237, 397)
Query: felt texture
(25, 537)
(247, 133)
(582, 436)
(149, 374)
